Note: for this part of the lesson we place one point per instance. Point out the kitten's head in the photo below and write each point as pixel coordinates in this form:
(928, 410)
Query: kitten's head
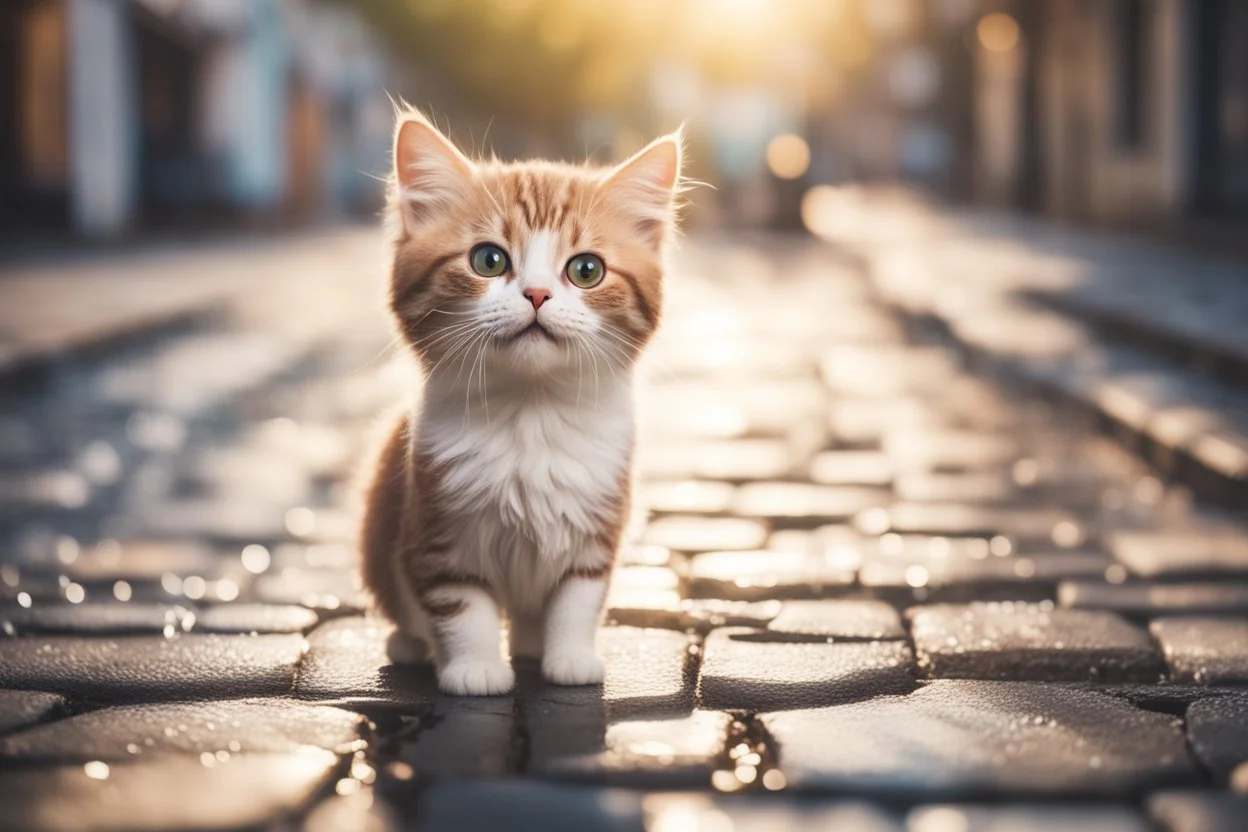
(535, 267)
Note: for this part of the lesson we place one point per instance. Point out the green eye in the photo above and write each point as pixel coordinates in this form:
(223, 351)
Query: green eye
(488, 260)
(586, 270)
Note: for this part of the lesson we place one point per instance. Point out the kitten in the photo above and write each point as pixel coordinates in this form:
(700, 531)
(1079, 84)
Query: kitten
(526, 292)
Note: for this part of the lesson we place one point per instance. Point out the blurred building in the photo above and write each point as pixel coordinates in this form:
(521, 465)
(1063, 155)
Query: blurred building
(1122, 111)
(132, 113)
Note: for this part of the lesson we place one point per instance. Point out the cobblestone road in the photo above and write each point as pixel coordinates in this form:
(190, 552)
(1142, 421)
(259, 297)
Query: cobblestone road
(875, 590)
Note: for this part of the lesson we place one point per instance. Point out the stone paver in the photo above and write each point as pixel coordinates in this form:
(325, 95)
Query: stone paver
(935, 567)
(687, 496)
(969, 738)
(1181, 554)
(1007, 640)
(1211, 651)
(19, 708)
(254, 618)
(757, 670)
(698, 534)
(836, 500)
(101, 618)
(54, 308)
(763, 574)
(126, 733)
(1217, 729)
(152, 668)
(1148, 599)
(802, 505)
(839, 620)
(851, 468)
(347, 664)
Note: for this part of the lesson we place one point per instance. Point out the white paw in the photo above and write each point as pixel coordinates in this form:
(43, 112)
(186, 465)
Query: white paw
(469, 677)
(582, 667)
(404, 649)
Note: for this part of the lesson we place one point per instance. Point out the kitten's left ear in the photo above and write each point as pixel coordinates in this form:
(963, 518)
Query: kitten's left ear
(645, 186)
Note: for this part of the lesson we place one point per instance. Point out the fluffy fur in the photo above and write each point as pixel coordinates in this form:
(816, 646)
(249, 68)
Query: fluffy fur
(504, 492)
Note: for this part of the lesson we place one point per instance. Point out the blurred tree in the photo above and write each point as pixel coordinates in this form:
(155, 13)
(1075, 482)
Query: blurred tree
(540, 62)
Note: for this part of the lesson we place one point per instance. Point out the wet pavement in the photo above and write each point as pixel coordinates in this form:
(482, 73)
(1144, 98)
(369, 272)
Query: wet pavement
(883, 584)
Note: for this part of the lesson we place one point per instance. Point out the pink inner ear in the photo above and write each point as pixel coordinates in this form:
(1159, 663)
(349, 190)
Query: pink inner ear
(644, 187)
(421, 153)
(655, 167)
(430, 172)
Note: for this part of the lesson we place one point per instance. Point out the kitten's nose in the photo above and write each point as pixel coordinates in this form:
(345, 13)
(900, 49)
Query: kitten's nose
(537, 297)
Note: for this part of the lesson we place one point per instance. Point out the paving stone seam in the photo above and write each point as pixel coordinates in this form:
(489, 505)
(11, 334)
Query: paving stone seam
(1209, 485)
(1221, 361)
(31, 364)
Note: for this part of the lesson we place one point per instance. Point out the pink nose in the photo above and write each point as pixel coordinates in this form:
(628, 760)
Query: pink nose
(537, 297)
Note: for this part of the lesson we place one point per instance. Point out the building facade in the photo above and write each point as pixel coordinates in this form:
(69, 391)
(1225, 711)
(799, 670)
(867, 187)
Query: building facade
(1120, 111)
(134, 113)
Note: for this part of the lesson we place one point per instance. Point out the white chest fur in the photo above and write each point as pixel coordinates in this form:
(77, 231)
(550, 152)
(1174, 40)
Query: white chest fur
(531, 480)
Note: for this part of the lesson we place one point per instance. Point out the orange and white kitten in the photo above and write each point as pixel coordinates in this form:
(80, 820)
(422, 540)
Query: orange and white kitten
(526, 292)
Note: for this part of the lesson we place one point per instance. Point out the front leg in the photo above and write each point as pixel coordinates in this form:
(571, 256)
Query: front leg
(466, 626)
(571, 625)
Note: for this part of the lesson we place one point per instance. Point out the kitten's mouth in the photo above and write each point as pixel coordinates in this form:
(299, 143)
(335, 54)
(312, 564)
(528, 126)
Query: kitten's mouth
(533, 330)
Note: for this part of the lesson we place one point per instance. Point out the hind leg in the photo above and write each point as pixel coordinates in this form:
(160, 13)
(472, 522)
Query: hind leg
(382, 538)
(412, 640)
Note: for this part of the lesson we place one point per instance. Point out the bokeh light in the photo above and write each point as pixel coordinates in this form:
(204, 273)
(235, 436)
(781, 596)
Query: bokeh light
(997, 32)
(788, 156)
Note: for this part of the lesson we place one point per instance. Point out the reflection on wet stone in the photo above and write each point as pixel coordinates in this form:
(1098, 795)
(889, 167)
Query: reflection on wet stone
(1026, 818)
(464, 736)
(172, 793)
(670, 753)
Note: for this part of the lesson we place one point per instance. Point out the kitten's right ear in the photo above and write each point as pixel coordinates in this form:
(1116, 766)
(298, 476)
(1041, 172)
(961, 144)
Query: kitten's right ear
(429, 171)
